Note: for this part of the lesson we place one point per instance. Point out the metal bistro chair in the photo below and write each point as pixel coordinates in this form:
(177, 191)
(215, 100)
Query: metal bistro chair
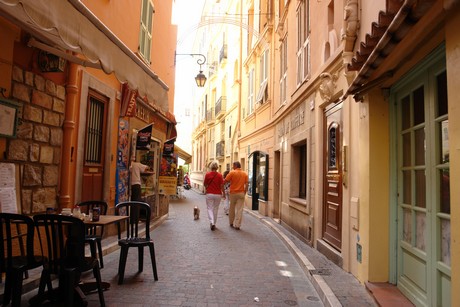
(16, 259)
(134, 209)
(94, 234)
(63, 238)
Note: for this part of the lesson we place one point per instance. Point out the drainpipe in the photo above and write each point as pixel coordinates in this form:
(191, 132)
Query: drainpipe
(69, 138)
(240, 79)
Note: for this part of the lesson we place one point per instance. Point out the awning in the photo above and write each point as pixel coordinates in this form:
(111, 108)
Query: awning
(183, 154)
(69, 25)
(393, 26)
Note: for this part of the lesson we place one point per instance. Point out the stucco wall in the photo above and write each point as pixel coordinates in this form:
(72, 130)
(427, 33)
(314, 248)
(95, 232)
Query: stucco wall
(453, 85)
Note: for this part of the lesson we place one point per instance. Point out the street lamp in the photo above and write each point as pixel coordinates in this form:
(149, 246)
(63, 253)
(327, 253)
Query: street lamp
(200, 78)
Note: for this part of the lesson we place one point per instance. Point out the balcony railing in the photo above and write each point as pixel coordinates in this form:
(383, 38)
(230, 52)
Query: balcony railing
(223, 53)
(221, 106)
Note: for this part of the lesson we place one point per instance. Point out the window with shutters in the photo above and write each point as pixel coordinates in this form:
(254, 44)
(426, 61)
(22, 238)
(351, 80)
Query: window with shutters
(283, 70)
(303, 41)
(145, 36)
(250, 92)
(263, 71)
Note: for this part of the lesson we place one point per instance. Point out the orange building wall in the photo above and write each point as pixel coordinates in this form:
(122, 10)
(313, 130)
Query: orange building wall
(122, 19)
(126, 27)
(164, 46)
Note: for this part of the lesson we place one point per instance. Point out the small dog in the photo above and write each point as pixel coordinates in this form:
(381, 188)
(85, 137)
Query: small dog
(196, 213)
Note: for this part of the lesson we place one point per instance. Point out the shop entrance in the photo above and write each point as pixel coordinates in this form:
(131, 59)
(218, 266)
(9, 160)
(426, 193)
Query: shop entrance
(423, 184)
(276, 185)
(146, 150)
(94, 151)
(258, 178)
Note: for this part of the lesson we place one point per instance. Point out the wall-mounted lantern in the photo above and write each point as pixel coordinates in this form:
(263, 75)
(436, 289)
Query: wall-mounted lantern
(200, 77)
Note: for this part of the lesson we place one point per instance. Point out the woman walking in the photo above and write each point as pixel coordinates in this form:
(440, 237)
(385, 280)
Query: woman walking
(214, 184)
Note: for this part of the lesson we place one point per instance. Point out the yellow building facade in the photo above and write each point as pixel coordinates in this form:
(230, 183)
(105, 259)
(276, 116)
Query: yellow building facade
(343, 126)
(216, 108)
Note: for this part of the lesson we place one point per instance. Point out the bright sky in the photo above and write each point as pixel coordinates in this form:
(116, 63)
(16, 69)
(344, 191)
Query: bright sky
(187, 16)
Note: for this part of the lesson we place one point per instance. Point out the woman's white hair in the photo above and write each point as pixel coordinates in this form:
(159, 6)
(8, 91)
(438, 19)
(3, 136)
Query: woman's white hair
(214, 166)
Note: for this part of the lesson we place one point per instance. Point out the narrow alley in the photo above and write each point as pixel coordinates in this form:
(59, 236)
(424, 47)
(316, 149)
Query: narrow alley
(225, 267)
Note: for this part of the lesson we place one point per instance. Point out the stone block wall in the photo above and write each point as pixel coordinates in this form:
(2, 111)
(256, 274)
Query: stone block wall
(37, 148)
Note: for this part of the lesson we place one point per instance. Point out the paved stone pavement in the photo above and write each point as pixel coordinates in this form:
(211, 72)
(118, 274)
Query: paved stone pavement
(200, 267)
(262, 264)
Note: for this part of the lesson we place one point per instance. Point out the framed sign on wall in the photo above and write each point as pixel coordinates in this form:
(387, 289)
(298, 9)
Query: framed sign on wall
(9, 113)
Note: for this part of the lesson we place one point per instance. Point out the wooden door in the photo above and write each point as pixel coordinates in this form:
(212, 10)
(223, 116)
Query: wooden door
(94, 152)
(332, 201)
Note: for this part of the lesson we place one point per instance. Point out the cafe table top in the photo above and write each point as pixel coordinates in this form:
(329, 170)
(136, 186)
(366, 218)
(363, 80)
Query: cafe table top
(107, 219)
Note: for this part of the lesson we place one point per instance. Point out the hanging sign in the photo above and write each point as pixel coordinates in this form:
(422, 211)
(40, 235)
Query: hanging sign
(128, 101)
(168, 148)
(143, 138)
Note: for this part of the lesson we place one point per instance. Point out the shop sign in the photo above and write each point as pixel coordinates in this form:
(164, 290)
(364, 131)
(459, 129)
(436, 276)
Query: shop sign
(168, 174)
(143, 138)
(297, 119)
(168, 148)
(128, 101)
(168, 185)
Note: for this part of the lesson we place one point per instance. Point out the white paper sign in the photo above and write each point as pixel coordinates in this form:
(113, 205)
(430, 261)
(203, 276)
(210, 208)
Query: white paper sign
(7, 118)
(8, 200)
(7, 175)
(8, 188)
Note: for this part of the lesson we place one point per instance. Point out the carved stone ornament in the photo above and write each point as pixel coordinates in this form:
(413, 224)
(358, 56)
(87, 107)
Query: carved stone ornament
(327, 86)
(351, 18)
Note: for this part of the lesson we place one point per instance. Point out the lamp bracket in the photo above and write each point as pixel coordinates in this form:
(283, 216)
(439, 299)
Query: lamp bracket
(200, 78)
(200, 61)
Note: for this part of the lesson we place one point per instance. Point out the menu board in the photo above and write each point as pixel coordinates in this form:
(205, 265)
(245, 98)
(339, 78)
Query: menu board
(8, 197)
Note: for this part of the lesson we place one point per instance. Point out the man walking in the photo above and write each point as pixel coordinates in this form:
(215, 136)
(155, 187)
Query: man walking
(238, 187)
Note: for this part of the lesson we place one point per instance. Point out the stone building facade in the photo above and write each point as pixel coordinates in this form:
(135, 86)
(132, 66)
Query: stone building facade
(37, 148)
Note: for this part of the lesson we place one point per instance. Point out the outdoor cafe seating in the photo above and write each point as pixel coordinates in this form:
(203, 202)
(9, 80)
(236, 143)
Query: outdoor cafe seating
(17, 255)
(94, 233)
(135, 210)
(62, 239)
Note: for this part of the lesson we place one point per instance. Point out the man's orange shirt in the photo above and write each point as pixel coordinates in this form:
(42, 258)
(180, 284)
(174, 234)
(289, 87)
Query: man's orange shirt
(238, 180)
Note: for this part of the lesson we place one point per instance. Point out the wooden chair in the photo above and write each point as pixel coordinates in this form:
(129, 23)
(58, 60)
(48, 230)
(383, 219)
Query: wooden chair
(134, 209)
(16, 258)
(63, 239)
(94, 234)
